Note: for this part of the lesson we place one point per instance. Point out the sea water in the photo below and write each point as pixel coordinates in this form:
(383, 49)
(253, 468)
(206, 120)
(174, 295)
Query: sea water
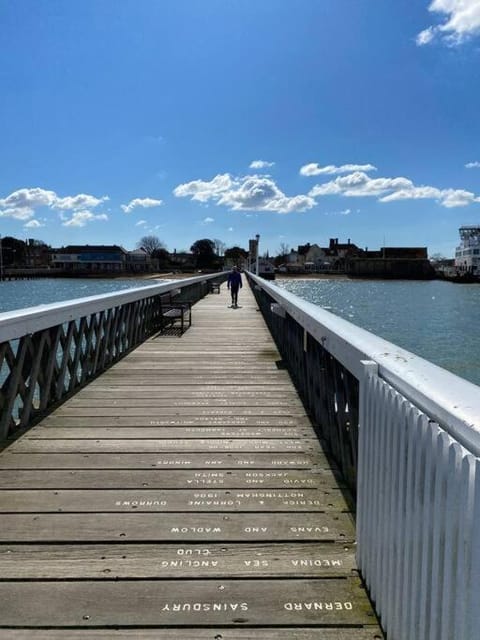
(434, 319)
(19, 294)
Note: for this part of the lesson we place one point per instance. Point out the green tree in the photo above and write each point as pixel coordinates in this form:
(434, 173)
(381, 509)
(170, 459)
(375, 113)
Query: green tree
(204, 252)
(163, 258)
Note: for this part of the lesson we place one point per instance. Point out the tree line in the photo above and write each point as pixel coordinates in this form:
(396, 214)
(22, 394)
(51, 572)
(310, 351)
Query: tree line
(206, 253)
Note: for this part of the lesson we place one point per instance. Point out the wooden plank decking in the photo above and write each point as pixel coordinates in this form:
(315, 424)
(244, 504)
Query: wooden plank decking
(183, 494)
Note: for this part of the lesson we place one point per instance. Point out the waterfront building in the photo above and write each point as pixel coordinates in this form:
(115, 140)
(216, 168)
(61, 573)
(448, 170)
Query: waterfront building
(313, 258)
(139, 261)
(90, 258)
(391, 262)
(182, 260)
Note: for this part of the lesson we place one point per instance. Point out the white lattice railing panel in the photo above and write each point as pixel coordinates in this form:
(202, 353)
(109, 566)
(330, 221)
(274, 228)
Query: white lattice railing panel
(46, 353)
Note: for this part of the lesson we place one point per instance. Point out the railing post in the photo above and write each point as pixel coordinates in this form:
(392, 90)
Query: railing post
(370, 369)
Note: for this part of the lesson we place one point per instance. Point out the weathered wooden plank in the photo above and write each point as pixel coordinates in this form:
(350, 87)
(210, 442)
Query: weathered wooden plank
(204, 400)
(157, 354)
(184, 603)
(175, 380)
(161, 479)
(200, 366)
(160, 446)
(11, 460)
(218, 633)
(70, 410)
(181, 392)
(166, 433)
(154, 351)
(158, 420)
(176, 527)
(161, 356)
(263, 375)
(102, 500)
(108, 561)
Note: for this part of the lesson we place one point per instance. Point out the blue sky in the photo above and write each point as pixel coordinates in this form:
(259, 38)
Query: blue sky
(298, 120)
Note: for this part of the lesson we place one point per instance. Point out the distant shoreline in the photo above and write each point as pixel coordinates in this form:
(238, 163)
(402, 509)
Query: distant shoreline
(278, 276)
(311, 276)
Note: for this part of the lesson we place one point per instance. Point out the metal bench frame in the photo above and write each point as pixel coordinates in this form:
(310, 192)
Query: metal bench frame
(172, 311)
(215, 287)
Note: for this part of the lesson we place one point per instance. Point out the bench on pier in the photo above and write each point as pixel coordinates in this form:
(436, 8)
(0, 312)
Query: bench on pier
(214, 287)
(173, 312)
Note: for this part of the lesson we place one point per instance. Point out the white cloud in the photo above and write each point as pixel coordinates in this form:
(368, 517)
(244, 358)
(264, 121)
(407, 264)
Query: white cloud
(457, 198)
(145, 203)
(230, 229)
(31, 198)
(23, 203)
(472, 165)
(208, 220)
(247, 193)
(18, 213)
(80, 201)
(205, 190)
(462, 21)
(260, 164)
(313, 169)
(257, 193)
(141, 223)
(359, 184)
(344, 212)
(413, 193)
(80, 218)
(446, 197)
(425, 36)
(33, 224)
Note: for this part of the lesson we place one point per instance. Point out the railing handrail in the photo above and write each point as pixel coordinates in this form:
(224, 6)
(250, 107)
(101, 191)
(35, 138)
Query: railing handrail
(19, 322)
(445, 397)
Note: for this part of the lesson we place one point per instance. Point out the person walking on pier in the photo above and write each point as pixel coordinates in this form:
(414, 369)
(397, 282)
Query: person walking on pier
(234, 283)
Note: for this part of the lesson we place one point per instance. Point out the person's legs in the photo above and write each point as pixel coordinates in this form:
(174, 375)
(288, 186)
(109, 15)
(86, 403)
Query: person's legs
(234, 296)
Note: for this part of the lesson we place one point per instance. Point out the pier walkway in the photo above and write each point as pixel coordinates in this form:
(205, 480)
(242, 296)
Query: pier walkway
(183, 494)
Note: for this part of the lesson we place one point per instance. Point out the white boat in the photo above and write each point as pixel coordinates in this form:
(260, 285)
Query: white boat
(467, 254)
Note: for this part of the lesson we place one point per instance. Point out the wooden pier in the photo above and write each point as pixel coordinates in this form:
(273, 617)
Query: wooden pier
(181, 495)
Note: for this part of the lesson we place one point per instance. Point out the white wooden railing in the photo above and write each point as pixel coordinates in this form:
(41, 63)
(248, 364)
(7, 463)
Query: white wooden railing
(414, 464)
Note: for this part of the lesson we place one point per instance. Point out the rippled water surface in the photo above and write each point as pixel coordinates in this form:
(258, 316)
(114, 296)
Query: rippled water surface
(437, 320)
(19, 294)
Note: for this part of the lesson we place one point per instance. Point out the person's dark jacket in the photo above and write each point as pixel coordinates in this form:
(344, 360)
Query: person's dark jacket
(234, 280)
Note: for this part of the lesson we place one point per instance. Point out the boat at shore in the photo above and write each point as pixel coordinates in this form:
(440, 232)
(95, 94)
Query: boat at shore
(466, 267)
